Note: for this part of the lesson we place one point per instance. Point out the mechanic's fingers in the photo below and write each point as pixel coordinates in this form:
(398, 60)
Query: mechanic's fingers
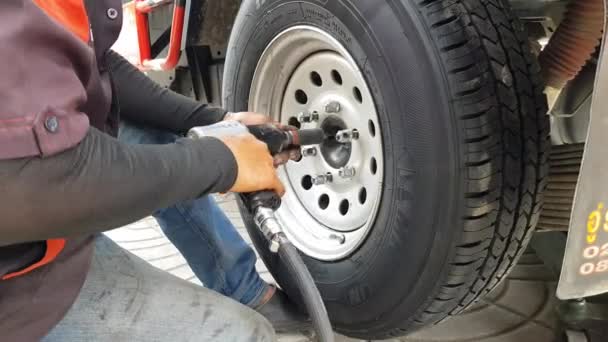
(285, 156)
(275, 183)
(295, 154)
(279, 188)
(285, 127)
(281, 158)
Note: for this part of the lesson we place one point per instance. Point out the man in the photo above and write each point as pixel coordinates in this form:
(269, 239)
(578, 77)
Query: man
(65, 177)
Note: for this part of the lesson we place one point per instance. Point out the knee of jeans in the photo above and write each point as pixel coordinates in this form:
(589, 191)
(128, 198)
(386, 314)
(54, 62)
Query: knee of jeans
(131, 133)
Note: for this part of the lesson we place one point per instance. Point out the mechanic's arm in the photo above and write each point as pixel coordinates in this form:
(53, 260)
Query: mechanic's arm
(142, 101)
(102, 183)
(74, 180)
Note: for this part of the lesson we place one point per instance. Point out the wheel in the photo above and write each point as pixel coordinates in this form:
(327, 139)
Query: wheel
(435, 191)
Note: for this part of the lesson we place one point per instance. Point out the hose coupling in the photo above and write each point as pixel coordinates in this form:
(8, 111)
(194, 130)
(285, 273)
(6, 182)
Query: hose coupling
(269, 226)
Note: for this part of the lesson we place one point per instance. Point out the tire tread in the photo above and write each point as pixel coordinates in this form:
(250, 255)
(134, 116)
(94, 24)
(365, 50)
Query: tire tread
(500, 104)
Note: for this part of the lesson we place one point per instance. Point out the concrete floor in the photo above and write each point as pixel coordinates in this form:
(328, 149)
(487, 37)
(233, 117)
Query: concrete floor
(519, 310)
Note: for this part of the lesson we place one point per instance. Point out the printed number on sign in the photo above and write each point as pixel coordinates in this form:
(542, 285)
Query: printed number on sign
(589, 268)
(595, 251)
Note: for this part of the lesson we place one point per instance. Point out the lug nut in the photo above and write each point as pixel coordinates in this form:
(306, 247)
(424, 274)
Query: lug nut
(347, 135)
(323, 179)
(333, 107)
(347, 172)
(340, 238)
(309, 152)
(308, 117)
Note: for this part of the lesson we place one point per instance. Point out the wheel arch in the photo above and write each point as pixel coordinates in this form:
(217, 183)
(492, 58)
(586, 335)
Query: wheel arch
(211, 22)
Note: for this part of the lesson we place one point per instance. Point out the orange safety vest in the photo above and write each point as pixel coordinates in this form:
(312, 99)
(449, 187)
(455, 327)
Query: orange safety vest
(72, 15)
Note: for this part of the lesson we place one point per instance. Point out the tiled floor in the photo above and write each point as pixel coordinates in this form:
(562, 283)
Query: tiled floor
(519, 310)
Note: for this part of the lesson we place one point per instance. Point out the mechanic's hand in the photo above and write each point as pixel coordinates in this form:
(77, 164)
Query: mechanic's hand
(252, 118)
(248, 118)
(285, 156)
(256, 170)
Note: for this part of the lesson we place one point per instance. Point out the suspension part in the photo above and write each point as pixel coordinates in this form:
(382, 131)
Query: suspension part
(573, 43)
(564, 167)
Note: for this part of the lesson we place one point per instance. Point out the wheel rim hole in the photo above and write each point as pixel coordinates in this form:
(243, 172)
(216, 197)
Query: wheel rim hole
(293, 121)
(335, 75)
(307, 182)
(324, 201)
(316, 79)
(372, 128)
(357, 94)
(344, 206)
(373, 166)
(362, 195)
(301, 97)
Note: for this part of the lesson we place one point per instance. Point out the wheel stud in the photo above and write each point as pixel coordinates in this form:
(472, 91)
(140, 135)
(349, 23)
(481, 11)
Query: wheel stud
(347, 135)
(323, 179)
(347, 172)
(306, 117)
(333, 107)
(309, 152)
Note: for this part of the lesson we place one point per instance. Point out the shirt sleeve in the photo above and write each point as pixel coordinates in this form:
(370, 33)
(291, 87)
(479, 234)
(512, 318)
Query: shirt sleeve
(103, 184)
(45, 72)
(142, 101)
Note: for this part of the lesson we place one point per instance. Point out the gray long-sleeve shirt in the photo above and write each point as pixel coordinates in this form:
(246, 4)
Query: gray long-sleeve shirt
(62, 173)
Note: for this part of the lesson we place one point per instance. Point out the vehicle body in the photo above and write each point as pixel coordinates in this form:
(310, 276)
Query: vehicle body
(472, 120)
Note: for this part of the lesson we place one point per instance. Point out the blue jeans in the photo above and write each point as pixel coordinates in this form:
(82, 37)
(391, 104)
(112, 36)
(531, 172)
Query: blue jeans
(211, 245)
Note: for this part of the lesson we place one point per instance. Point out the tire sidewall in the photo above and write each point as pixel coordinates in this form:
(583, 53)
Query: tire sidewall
(395, 271)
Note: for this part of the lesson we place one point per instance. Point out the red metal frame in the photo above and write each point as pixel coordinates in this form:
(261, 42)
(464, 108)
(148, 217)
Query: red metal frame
(143, 37)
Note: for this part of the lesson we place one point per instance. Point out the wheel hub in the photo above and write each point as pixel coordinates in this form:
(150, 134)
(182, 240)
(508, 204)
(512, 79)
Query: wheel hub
(335, 154)
(334, 190)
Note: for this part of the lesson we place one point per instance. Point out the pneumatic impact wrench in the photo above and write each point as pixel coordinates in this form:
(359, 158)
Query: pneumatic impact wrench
(263, 204)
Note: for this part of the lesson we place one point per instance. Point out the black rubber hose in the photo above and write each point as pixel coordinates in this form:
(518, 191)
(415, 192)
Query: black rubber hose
(310, 294)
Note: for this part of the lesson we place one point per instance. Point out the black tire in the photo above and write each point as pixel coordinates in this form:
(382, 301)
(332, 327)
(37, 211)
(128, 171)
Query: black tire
(466, 143)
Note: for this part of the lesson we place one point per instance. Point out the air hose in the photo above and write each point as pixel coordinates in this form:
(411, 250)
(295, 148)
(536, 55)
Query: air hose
(310, 294)
(573, 43)
(278, 243)
(263, 204)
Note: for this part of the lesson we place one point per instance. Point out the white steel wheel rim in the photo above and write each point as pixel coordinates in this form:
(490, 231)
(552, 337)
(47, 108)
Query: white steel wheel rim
(302, 71)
